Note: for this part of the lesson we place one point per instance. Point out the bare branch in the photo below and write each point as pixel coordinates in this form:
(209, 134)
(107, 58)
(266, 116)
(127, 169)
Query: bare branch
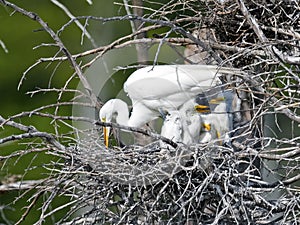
(20, 185)
(30, 133)
(82, 28)
(59, 43)
(286, 58)
(3, 46)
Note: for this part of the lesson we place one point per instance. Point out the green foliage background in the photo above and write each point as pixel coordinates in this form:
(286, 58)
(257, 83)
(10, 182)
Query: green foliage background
(22, 37)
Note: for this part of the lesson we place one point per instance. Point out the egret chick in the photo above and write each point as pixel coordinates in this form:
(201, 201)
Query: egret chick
(218, 123)
(183, 125)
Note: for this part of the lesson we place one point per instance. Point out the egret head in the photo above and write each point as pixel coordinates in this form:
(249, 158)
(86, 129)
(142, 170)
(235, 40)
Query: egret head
(114, 109)
(172, 127)
(202, 105)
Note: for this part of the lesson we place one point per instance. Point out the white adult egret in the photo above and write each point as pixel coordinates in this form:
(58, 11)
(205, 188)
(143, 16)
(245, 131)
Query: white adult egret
(113, 109)
(153, 89)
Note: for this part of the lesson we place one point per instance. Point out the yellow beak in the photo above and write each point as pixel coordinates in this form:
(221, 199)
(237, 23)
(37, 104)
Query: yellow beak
(106, 135)
(202, 108)
(106, 131)
(206, 126)
(217, 100)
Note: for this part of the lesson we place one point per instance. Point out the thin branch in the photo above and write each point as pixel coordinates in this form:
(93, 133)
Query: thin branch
(139, 130)
(82, 28)
(3, 46)
(151, 41)
(60, 44)
(20, 185)
(29, 208)
(126, 5)
(286, 58)
(30, 132)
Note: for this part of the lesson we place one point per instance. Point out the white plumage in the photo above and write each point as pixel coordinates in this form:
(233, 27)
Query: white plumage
(183, 125)
(154, 89)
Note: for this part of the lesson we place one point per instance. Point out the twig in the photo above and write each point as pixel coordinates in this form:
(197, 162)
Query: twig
(30, 132)
(60, 44)
(151, 41)
(286, 58)
(139, 130)
(20, 185)
(82, 28)
(3, 46)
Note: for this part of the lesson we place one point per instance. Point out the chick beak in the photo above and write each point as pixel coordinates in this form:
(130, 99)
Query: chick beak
(218, 134)
(207, 126)
(202, 108)
(217, 100)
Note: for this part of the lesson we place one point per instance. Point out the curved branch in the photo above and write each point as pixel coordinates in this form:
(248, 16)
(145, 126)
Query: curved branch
(30, 133)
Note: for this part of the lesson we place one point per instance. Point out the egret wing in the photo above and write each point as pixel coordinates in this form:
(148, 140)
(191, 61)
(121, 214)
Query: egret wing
(154, 83)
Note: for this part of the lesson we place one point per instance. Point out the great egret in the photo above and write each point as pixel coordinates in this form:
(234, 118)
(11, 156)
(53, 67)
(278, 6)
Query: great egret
(153, 89)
